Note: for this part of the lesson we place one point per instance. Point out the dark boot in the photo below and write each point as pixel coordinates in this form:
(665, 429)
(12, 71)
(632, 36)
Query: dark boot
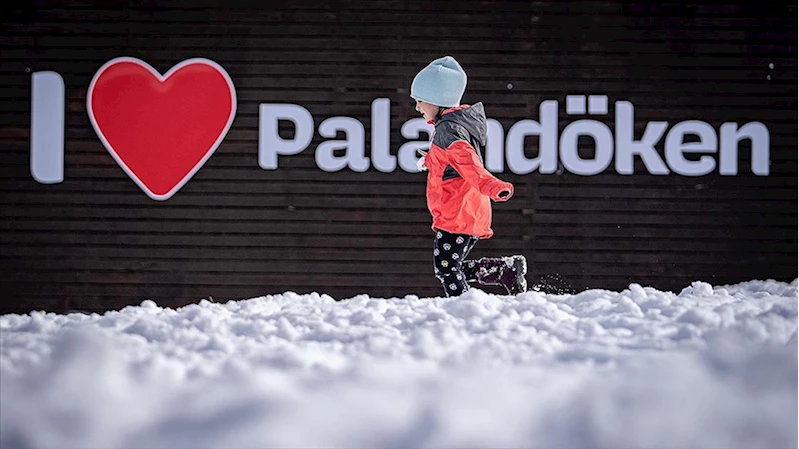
(507, 272)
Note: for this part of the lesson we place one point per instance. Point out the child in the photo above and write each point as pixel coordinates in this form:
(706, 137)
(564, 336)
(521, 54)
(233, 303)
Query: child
(459, 188)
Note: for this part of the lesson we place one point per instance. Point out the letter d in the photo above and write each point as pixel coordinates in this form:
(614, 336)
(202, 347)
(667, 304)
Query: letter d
(270, 144)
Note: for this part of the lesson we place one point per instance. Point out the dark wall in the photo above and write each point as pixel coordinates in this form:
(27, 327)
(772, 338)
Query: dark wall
(96, 242)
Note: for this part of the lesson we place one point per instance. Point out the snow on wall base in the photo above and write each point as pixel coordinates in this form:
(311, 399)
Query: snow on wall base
(708, 367)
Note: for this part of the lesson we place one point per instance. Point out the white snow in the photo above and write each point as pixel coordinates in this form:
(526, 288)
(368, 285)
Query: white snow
(710, 367)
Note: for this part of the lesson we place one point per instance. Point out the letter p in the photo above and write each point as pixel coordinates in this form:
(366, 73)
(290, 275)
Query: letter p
(270, 144)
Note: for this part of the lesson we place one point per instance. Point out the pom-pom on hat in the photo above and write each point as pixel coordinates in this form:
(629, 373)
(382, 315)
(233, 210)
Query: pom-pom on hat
(441, 83)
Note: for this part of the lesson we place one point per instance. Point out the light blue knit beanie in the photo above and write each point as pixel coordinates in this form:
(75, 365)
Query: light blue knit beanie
(441, 83)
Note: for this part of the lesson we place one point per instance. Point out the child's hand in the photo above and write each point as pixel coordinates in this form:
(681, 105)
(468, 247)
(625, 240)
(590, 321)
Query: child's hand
(420, 163)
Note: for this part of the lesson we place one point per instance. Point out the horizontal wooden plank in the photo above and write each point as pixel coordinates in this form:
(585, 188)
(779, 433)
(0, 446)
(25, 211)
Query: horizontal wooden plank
(151, 214)
(111, 270)
(686, 247)
(242, 140)
(231, 180)
(568, 198)
(55, 218)
(376, 262)
(735, 234)
(597, 65)
(204, 216)
(142, 257)
(730, 87)
(331, 201)
(291, 171)
(125, 283)
(184, 258)
(416, 262)
(497, 57)
(736, 8)
(542, 223)
(667, 275)
(507, 109)
(656, 206)
(286, 241)
(470, 12)
(209, 228)
(384, 37)
(414, 189)
(270, 220)
(241, 154)
(631, 220)
(684, 192)
(377, 26)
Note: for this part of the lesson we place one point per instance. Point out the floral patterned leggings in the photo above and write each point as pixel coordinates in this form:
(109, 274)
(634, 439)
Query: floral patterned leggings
(450, 264)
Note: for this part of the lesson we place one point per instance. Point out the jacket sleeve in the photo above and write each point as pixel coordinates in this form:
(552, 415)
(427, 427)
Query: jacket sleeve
(463, 158)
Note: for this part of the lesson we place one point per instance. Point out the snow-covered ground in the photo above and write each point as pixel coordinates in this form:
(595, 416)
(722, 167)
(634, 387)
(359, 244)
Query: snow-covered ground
(708, 367)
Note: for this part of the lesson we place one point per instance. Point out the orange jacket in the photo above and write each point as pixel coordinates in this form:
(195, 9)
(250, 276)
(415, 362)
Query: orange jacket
(459, 188)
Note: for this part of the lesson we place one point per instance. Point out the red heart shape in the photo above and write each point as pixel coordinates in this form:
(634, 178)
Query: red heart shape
(161, 129)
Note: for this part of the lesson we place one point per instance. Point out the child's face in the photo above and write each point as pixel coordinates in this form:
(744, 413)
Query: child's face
(428, 111)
